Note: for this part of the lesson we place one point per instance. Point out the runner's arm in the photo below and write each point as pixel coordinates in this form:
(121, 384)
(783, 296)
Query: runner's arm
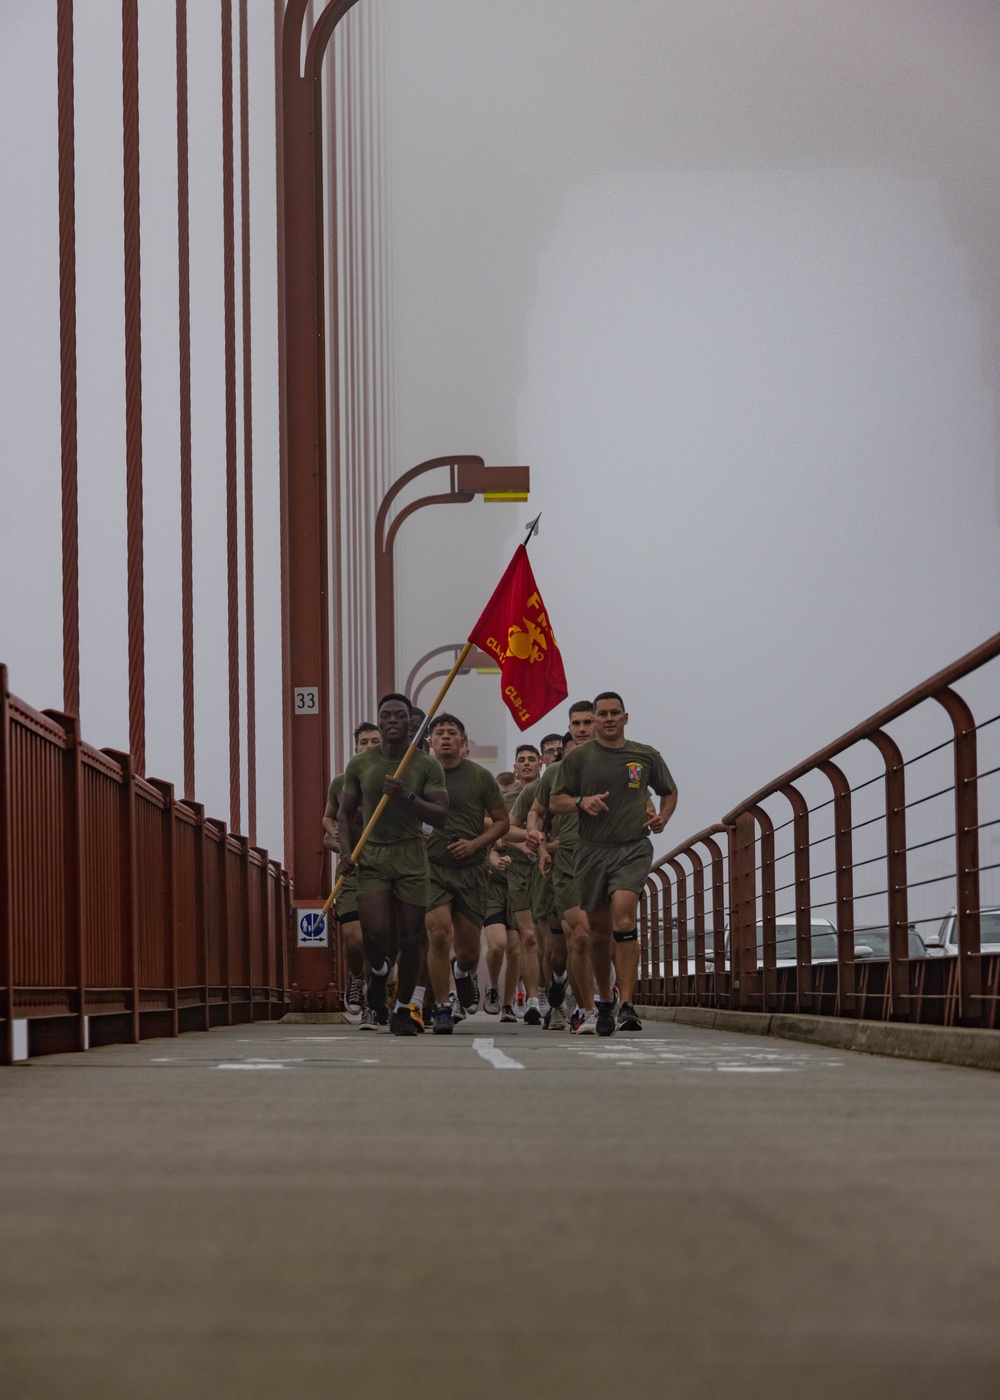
(496, 826)
(667, 805)
(346, 810)
(331, 835)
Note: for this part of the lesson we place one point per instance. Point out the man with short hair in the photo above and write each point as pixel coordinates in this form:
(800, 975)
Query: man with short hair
(456, 905)
(551, 749)
(607, 782)
(366, 736)
(393, 871)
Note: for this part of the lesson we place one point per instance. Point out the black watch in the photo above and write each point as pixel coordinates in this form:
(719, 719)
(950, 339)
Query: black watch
(411, 797)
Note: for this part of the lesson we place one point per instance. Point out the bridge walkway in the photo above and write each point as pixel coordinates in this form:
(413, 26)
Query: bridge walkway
(281, 1210)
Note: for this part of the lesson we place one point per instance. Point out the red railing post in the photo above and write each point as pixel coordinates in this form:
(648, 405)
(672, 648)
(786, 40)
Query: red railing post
(843, 860)
(227, 960)
(667, 925)
(166, 791)
(718, 921)
(768, 951)
(743, 934)
(6, 919)
(803, 899)
(970, 965)
(682, 953)
(200, 906)
(700, 968)
(895, 869)
(72, 873)
(129, 884)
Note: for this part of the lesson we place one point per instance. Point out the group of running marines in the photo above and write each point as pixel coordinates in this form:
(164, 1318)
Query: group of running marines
(550, 871)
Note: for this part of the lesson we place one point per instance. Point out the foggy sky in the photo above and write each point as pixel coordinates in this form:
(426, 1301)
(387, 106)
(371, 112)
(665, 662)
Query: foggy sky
(726, 275)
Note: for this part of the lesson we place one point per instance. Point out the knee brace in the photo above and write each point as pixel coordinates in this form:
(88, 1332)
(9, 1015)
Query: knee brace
(627, 935)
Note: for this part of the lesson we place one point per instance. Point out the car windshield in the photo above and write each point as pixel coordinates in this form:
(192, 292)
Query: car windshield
(824, 941)
(989, 929)
(877, 939)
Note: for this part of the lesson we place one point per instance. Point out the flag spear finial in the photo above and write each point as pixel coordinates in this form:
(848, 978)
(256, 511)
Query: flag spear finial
(532, 529)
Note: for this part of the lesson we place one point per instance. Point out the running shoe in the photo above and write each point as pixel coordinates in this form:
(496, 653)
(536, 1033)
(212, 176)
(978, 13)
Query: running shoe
(354, 998)
(417, 1012)
(443, 1022)
(507, 1014)
(457, 1009)
(627, 1019)
(576, 1022)
(556, 992)
(556, 1019)
(532, 1016)
(467, 989)
(491, 1004)
(401, 1022)
(382, 1016)
(606, 1022)
(616, 999)
(391, 986)
(368, 1021)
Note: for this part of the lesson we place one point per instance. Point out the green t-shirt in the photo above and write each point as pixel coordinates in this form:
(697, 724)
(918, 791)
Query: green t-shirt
(626, 775)
(472, 792)
(512, 801)
(364, 777)
(563, 826)
(333, 797)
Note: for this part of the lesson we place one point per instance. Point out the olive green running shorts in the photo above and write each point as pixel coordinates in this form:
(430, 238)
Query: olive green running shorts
(519, 877)
(496, 910)
(347, 900)
(461, 886)
(564, 886)
(600, 870)
(401, 867)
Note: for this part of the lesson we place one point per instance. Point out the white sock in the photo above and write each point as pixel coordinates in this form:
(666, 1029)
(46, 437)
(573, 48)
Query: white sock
(532, 1001)
(418, 996)
(382, 971)
(402, 1006)
(458, 971)
(557, 978)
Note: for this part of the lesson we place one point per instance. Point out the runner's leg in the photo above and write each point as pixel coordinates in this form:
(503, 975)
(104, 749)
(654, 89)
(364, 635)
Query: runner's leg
(512, 966)
(600, 922)
(624, 917)
(529, 951)
(440, 940)
(412, 946)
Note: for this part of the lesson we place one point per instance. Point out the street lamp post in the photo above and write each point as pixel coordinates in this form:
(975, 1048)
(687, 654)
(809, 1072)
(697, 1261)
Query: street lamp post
(470, 477)
(478, 661)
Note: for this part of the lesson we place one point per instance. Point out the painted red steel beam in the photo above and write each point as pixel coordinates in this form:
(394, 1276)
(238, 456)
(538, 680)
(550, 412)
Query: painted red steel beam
(133, 387)
(184, 404)
(249, 609)
(305, 602)
(229, 370)
(283, 567)
(970, 967)
(68, 357)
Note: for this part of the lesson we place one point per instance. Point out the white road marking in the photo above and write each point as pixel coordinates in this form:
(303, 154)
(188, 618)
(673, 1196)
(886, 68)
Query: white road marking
(495, 1057)
(271, 1064)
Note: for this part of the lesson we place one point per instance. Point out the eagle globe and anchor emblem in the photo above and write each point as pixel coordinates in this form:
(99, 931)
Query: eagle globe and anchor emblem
(527, 643)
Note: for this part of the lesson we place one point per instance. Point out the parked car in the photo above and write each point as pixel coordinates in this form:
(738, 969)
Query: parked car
(946, 938)
(868, 943)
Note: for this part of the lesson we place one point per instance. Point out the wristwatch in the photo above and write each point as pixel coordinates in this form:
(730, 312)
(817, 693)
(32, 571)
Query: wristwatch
(578, 800)
(411, 797)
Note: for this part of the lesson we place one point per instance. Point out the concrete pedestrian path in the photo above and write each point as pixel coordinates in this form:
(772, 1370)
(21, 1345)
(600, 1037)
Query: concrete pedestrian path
(288, 1210)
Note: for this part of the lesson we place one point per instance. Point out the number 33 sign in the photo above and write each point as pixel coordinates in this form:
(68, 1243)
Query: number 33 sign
(307, 700)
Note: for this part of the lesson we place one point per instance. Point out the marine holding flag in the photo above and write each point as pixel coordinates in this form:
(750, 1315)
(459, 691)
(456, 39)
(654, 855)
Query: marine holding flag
(515, 629)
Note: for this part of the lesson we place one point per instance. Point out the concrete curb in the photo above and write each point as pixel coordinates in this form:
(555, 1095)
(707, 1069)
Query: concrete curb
(946, 1045)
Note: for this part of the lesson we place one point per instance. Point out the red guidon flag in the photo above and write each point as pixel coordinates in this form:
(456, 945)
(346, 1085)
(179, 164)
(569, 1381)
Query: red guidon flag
(515, 629)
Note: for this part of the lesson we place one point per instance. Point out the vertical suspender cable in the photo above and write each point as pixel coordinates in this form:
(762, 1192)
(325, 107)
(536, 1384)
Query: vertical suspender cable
(184, 357)
(133, 386)
(67, 358)
(248, 522)
(334, 395)
(232, 489)
(286, 664)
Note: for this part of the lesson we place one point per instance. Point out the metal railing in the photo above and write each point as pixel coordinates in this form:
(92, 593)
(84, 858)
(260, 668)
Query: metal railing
(856, 883)
(124, 913)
